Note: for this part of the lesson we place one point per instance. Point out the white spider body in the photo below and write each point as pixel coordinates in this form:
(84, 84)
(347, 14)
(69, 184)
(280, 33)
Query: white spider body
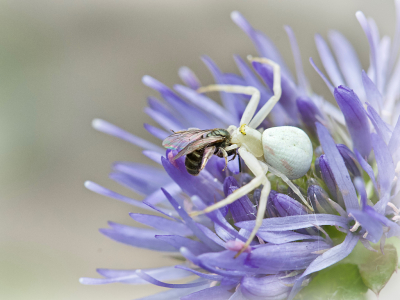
(287, 149)
(284, 151)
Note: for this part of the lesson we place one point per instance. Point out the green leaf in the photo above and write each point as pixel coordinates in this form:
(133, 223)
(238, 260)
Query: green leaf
(375, 268)
(378, 269)
(339, 282)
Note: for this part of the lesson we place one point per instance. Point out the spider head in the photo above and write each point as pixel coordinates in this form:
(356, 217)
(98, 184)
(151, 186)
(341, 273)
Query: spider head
(247, 137)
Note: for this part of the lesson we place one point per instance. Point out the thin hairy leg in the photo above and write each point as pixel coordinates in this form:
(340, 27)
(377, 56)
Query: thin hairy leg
(269, 105)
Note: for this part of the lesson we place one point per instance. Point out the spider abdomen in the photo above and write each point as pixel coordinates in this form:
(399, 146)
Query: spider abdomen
(288, 149)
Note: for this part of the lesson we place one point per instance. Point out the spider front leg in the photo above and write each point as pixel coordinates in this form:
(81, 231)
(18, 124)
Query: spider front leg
(260, 179)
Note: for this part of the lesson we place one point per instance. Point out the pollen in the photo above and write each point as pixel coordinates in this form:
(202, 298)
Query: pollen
(241, 129)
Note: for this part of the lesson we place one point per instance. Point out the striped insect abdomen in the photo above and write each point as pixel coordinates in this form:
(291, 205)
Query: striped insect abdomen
(193, 161)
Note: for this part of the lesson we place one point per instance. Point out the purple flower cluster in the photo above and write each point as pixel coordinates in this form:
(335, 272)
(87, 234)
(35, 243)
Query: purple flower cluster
(354, 142)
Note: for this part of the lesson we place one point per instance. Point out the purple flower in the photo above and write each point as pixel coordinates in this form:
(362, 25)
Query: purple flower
(291, 243)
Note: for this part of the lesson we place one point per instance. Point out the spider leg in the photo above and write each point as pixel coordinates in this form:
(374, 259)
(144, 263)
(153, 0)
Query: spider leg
(269, 105)
(262, 206)
(238, 89)
(289, 183)
(254, 165)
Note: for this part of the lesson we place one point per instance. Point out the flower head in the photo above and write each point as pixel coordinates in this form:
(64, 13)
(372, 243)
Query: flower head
(292, 243)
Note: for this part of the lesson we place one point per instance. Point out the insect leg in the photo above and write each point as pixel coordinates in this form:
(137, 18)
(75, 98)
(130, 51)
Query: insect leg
(225, 155)
(238, 89)
(269, 105)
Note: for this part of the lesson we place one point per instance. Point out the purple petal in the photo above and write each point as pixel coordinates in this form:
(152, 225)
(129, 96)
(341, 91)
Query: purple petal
(94, 187)
(285, 257)
(154, 156)
(113, 130)
(144, 172)
(130, 276)
(232, 102)
(163, 224)
(301, 77)
(136, 184)
(266, 287)
(211, 235)
(154, 281)
(223, 228)
(265, 47)
(159, 197)
(202, 185)
(348, 61)
(386, 170)
(164, 121)
(189, 78)
(338, 167)
(373, 95)
(380, 126)
(137, 237)
(359, 184)
(296, 222)
(282, 237)
(367, 168)
(173, 294)
(222, 116)
(333, 255)
(191, 224)
(215, 293)
(242, 209)
(202, 275)
(203, 263)
(177, 241)
(170, 114)
(372, 46)
(157, 132)
(328, 61)
(326, 80)
(356, 119)
(191, 114)
(394, 143)
(368, 223)
(309, 112)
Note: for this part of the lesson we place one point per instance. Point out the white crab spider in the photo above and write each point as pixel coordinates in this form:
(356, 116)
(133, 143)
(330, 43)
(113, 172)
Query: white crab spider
(284, 151)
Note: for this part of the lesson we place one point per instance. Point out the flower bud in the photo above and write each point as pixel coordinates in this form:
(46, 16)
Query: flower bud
(356, 118)
(281, 205)
(327, 175)
(349, 160)
(319, 200)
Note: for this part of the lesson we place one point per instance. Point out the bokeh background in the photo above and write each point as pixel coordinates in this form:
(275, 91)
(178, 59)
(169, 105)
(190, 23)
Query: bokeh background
(65, 62)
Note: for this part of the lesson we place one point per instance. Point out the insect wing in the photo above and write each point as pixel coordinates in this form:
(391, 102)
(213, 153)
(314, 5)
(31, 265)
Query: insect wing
(199, 144)
(180, 139)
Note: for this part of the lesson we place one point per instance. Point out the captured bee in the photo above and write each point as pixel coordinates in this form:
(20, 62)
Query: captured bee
(199, 146)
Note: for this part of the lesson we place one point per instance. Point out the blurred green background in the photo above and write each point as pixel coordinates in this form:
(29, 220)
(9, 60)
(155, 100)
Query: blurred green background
(65, 62)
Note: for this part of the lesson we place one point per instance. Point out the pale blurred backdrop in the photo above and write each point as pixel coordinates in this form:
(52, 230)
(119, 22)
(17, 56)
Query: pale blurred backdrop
(65, 62)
